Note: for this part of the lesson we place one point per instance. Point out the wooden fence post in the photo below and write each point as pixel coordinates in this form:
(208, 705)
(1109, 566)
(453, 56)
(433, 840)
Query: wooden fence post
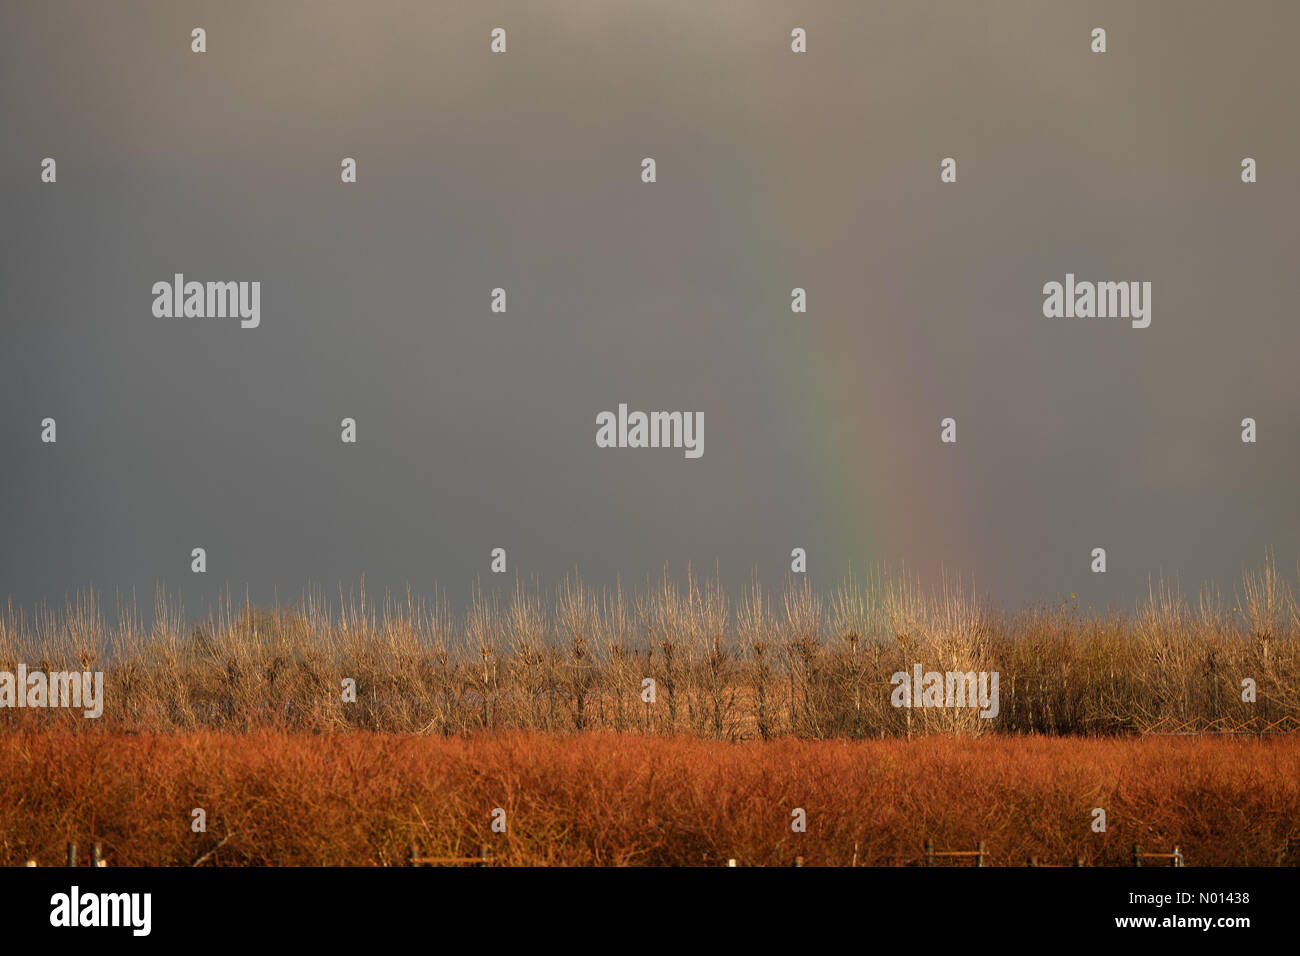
(72, 853)
(979, 857)
(97, 854)
(929, 853)
(1137, 855)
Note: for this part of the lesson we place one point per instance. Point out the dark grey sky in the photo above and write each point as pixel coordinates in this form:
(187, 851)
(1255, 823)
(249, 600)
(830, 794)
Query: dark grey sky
(775, 170)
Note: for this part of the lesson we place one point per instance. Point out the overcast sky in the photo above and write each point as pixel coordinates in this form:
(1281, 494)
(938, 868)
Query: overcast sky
(523, 171)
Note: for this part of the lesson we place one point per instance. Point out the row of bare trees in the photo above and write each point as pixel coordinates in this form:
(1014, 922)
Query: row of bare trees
(681, 657)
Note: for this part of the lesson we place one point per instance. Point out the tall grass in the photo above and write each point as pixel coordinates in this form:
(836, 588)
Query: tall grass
(794, 662)
(277, 798)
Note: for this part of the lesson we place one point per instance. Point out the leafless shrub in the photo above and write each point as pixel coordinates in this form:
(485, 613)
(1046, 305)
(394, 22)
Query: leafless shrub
(794, 663)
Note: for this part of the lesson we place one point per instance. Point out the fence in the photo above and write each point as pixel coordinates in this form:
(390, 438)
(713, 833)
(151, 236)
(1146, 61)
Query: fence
(96, 855)
(415, 858)
(932, 857)
(1175, 858)
(978, 854)
(981, 856)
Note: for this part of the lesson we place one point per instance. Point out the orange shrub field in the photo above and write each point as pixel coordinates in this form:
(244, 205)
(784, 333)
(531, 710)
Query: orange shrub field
(361, 798)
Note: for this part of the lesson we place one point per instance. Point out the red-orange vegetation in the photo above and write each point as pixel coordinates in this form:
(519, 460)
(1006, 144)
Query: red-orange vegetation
(360, 798)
